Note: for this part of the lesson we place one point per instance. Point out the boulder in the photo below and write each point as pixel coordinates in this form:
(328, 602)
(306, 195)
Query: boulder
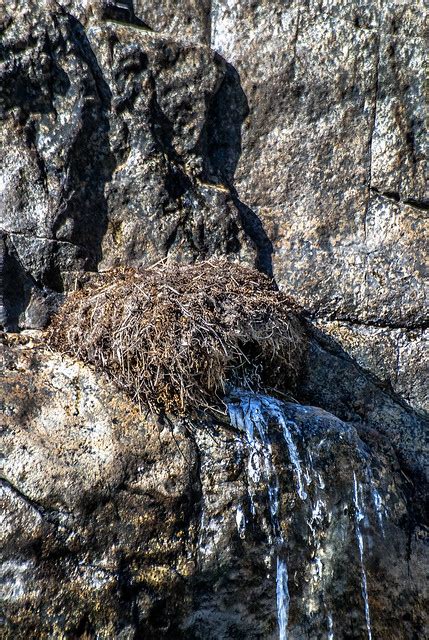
(275, 517)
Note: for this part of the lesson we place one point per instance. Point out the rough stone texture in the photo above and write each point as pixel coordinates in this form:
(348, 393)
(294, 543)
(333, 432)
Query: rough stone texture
(125, 139)
(334, 157)
(331, 379)
(116, 527)
(188, 20)
(383, 350)
(104, 145)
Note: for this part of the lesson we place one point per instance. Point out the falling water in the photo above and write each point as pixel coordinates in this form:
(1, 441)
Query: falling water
(358, 517)
(247, 416)
(251, 414)
(282, 592)
(378, 506)
(317, 515)
(330, 627)
(275, 411)
(377, 500)
(241, 521)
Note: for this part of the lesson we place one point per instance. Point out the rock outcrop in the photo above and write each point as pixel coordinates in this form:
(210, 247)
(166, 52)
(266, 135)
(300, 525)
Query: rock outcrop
(334, 163)
(118, 527)
(106, 135)
(285, 135)
(127, 135)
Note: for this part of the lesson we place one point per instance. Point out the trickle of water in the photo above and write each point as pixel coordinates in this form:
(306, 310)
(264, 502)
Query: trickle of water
(317, 515)
(377, 501)
(321, 481)
(275, 411)
(378, 506)
(249, 415)
(359, 516)
(283, 599)
(241, 522)
(330, 627)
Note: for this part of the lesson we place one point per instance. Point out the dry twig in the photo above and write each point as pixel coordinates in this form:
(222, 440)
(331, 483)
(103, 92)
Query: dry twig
(174, 336)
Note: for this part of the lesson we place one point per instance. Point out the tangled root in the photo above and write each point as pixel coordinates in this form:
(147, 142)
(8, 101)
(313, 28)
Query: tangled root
(173, 337)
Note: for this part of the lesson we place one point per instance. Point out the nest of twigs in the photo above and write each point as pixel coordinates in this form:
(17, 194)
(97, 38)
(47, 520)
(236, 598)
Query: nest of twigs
(174, 337)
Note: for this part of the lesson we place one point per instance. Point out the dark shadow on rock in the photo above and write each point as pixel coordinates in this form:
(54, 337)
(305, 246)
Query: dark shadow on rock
(333, 380)
(24, 303)
(15, 286)
(222, 131)
(89, 164)
(221, 144)
(122, 11)
(254, 229)
(82, 160)
(330, 379)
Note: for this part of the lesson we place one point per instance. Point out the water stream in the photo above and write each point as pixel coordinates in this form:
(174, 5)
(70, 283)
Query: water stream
(359, 516)
(282, 593)
(252, 415)
(330, 627)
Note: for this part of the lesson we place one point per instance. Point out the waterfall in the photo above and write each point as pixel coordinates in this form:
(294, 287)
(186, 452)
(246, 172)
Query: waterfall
(240, 521)
(330, 627)
(254, 415)
(282, 593)
(378, 506)
(293, 451)
(251, 415)
(359, 516)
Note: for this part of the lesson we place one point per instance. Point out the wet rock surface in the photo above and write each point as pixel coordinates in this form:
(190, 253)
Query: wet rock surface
(296, 144)
(120, 527)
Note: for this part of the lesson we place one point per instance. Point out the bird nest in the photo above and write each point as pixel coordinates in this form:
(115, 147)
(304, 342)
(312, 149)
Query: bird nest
(174, 337)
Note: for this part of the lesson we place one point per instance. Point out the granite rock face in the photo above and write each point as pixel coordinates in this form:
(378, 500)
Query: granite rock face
(334, 163)
(116, 103)
(105, 150)
(284, 134)
(131, 140)
(118, 527)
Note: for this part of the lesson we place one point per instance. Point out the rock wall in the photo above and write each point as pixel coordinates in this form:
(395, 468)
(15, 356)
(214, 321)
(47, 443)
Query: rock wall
(106, 151)
(320, 120)
(294, 142)
(286, 521)
(334, 163)
(318, 127)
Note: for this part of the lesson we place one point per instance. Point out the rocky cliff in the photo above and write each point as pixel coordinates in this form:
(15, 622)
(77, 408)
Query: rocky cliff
(284, 522)
(285, 135)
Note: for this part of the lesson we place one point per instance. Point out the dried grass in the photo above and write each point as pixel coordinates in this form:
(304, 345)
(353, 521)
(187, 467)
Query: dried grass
(173, 337)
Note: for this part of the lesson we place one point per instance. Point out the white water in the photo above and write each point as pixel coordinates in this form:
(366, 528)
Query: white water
(378, 506)
(359, 516)
(317, 515)
(330, 627)
(377, 500)
(241, 521)
(251, 415)
(283, 599)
